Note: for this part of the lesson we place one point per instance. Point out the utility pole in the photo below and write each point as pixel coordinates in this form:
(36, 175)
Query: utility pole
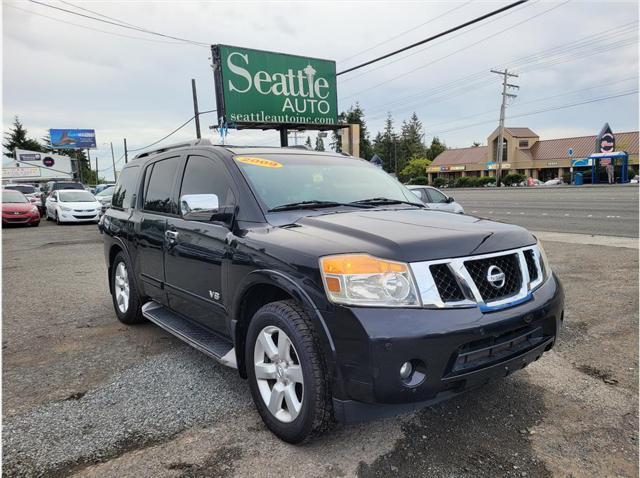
(505, 78)
(97, 177)
(113, 162)
(196, 114)
(126, 156)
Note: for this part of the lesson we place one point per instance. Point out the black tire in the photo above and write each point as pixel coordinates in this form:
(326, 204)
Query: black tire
(36, 224)
(133, 314)
(316, 414)
(46, 216)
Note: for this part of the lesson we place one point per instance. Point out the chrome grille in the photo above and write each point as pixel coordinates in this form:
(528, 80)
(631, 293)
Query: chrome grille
(509, 265)
(446, 283)
(529, 257)
(473, 282)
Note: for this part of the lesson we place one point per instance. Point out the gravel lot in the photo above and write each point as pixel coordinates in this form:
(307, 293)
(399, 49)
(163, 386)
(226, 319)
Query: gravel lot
(87, 396)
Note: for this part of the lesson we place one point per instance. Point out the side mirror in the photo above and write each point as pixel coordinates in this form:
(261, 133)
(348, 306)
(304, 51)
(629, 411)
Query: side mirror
(449, 199)
(53, 199)
(199, 207)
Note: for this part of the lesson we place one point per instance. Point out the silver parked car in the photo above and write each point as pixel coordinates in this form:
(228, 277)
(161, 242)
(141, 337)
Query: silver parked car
(436, 199)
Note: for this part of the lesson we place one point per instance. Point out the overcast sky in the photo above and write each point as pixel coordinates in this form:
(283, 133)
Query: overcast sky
(68, 75)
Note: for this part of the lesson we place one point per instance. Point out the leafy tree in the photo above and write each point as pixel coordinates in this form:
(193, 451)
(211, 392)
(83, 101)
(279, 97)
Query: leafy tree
(17, 138)
(410, 145)
(355, 115)
(307, 143)
(435, 149)
(416, 167)
(384, 145)
(319, 144)
(475, 144)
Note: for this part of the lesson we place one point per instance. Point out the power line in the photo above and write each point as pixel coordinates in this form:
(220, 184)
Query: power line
(570, 50)
(405, 32)
(122, 25)
(91, 28)
(431, 38)
(456, 51)
(170, 134)
(97, 13)
(530, 113)
(420, 50)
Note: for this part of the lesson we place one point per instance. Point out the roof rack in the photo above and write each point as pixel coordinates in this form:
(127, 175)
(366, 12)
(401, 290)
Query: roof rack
(196, 142)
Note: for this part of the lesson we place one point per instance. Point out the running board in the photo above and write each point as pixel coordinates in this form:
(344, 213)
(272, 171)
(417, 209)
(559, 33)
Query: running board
(195, 335)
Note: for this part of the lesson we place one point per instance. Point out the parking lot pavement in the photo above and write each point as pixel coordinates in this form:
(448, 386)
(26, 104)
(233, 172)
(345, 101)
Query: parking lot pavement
(87, 396)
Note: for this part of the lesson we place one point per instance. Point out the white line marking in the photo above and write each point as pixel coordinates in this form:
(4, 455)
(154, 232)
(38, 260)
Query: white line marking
(606, 241)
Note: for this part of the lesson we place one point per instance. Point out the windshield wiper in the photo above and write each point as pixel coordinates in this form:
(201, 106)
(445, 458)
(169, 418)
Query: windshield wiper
(382, 200)
(313, 204)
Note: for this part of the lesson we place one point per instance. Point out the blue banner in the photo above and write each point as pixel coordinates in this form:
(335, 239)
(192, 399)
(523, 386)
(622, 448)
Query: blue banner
(72, 138)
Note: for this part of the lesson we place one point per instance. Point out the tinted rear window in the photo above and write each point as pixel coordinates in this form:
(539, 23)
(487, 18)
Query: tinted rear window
(57, 186)
(124, 189)
(158, 196)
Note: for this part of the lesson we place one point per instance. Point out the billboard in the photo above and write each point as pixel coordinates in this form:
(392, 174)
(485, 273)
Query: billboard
(72, 138)
(259, 89)
(33, 165)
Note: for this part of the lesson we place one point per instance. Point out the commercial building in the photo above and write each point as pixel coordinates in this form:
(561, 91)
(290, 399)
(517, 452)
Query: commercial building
(525, 153)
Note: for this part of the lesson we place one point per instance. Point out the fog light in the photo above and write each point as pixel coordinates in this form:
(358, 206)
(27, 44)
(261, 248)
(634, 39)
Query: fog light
(406, 370)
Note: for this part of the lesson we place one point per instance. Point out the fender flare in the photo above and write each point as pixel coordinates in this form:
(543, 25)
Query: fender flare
(121, 244)
(289, 285)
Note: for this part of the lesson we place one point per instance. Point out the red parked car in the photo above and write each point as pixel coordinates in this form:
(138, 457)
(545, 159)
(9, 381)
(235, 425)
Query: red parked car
(17, 209)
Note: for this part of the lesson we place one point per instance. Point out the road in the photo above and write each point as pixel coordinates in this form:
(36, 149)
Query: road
(610, 211)
(86, 396)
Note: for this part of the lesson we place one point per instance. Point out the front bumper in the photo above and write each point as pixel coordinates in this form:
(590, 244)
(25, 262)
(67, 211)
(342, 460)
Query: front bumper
(73, 216)
(17, 219)
(455, 350)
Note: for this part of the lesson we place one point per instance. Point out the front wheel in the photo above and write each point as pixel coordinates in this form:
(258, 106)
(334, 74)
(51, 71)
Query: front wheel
(287, 376)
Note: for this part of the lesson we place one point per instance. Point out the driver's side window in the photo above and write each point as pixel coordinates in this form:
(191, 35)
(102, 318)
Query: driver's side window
(437, 196)
(207, 176)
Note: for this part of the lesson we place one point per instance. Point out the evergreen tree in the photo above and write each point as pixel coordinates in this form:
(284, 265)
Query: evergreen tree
(435, 149)
(355, 115)
(384, 145)
(17, 138)
(410, 145)
(319, 144)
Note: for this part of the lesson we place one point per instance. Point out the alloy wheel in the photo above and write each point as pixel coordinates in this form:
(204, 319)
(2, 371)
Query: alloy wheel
(278, 373)
(121, 287)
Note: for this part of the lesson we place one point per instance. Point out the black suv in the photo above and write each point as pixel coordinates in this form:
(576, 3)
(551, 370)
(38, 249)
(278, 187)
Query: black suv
(323, 281)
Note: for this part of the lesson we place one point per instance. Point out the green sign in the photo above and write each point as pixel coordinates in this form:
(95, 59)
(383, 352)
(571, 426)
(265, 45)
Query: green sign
(257, 88)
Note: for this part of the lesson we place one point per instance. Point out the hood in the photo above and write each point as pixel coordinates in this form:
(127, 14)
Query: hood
(17, 207)
(81, 205)
(408, 235)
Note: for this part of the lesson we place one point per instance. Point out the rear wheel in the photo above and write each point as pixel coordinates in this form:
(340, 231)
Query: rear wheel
(287, 375)
(124, 294)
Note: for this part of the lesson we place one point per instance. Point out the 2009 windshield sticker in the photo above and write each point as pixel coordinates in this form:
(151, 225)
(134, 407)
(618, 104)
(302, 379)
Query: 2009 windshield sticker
(265, 163)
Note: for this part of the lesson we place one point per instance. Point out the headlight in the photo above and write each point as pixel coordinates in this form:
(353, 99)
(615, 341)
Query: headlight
(361, 279)
(65, 208)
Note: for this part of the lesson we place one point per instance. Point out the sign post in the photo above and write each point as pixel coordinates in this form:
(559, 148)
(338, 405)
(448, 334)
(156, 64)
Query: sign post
(258, 89)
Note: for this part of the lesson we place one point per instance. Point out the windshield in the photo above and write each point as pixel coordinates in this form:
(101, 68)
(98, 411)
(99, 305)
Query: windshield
(76, 196)
(107, 192)
(13, 197)
(24, 189)
(67, 186)
(280, 179)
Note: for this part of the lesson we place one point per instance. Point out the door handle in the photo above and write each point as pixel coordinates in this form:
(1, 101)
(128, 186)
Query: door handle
(171, 236)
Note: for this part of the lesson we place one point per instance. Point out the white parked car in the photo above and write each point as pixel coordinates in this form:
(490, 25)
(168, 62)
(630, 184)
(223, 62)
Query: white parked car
(554, 182)
(436, 199)
(72, 205)
(105, 196)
